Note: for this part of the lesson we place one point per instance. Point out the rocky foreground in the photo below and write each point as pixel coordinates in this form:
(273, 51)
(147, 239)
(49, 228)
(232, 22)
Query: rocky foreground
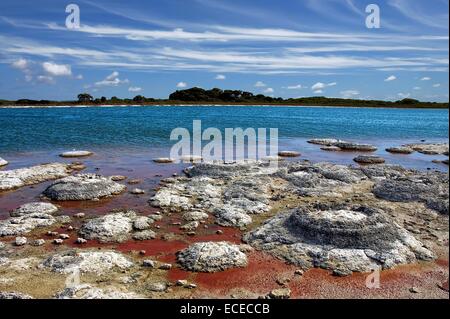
(345, 220)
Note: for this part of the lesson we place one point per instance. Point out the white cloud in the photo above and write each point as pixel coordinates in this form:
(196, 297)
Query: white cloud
(318, 91)
(390, 78)
(426, 78)
(21, 64)
(220, 77)
(260, 84)
(269, 91)
(45, 79)
(134, 89)
(295, 87)
(404, 95)
(57, 69)
(417, 88)
(437, 85)
(112, 80)
(79, 77)
(349, 94)
(181, 85)
(319, 86)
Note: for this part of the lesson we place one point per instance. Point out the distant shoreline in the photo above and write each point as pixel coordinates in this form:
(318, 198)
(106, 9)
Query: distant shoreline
(216, 105)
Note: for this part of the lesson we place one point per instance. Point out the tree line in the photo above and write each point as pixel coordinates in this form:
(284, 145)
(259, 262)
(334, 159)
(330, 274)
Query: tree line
(217, 96)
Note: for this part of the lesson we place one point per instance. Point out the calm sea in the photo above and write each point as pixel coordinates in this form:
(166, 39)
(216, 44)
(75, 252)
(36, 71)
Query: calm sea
(139, 129)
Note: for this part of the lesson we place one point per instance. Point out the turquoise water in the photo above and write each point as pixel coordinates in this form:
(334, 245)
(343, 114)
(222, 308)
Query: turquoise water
(127, 127)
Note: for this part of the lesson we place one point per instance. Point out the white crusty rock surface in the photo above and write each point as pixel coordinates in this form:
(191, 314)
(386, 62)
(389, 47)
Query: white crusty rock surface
(24, 224)
(36, 207)
(115, 227)
(83, 187)
(85, 291)
(212, 257)
(17, 178)
(87, 262)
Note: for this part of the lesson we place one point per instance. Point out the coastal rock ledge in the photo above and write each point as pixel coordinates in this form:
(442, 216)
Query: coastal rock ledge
(83, 187)
(341, 238)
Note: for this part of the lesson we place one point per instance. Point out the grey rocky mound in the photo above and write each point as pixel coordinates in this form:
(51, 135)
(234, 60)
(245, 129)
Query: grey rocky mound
(116, 227)
(37, 207)
(83, 187)
(3, 162)
(367, 159)
(212, 257)
(428, 188)
(338, 237)
(17, 178)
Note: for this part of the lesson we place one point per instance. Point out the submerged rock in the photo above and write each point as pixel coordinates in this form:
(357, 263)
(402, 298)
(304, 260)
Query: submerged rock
(37, 207)
(365, 159)
(211, 257)
(109, 228)
(331, 148)
(76, 154)
(83, 187)
(350, 239)
(17, 178)
(87, 262)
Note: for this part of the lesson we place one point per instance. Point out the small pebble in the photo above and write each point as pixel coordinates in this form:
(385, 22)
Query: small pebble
(149, 263)
(165, 267)
(64, 236)
(58, 241)
(80, 215)
(38, 242)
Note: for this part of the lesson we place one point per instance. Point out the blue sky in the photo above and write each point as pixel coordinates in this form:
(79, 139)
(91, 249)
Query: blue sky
(287, 48)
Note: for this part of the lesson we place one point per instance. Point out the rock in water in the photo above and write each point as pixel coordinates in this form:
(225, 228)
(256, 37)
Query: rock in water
(338, 237)
(347, 146)
(430, 149)
(400, 150)
(76, 154)
(83, 187)
(289, 154)
(38, 207)
(325, 141)
(211, 257)
(364, 159)
(109, 228)
(33, 175)
(163, 160)
(3, 162)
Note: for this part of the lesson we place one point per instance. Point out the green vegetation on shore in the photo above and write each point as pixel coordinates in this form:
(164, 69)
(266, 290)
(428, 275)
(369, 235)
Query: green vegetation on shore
(228, 97)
